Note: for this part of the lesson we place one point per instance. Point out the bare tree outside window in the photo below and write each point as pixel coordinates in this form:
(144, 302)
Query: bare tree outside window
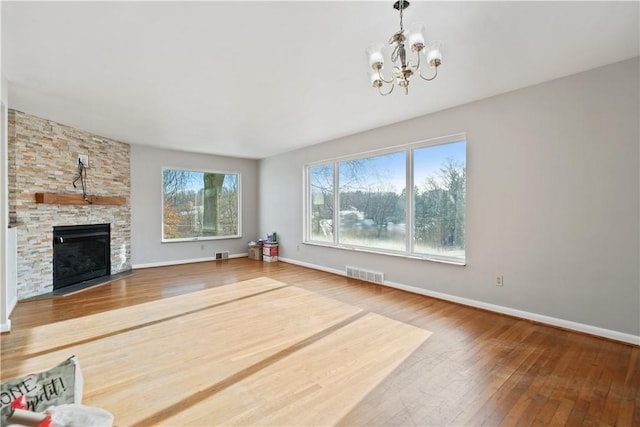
(440, 200)
(199, 205)
(321, 189)
(372, 202)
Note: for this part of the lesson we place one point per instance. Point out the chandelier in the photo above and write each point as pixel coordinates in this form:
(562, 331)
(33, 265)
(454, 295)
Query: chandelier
(403, 69)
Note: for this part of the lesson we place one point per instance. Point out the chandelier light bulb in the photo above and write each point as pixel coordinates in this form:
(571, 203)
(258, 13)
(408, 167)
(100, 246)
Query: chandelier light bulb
(376, 58)
(434, 54)
(416, 37)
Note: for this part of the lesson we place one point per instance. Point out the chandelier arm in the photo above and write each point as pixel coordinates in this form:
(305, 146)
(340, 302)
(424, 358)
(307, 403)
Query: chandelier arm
(387, 93)
(430, 78)
(383, 79)
(417, 66)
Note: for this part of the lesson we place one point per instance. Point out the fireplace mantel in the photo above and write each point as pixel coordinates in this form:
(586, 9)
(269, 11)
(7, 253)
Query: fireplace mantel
(78, 199)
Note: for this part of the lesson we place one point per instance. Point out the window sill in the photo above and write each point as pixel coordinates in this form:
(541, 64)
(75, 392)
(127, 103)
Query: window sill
(199, 239)
(419, 257)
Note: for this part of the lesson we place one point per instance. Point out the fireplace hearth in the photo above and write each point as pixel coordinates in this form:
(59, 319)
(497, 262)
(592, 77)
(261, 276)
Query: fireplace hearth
(80, 253)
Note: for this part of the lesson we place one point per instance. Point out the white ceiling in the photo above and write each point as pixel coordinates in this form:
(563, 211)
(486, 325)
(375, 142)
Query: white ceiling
(254, 79)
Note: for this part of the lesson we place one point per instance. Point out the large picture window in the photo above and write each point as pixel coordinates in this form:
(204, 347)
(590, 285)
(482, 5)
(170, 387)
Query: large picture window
(200, 205)
(408, 201)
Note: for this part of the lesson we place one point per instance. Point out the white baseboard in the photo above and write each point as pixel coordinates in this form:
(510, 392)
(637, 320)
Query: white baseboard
(553, 321)
(315, 267)
(5, 326)
(12, 304)
(183, 261)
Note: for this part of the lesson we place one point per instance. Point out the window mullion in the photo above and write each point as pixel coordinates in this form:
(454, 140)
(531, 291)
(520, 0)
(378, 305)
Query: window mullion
(336, 204)
(409, 203)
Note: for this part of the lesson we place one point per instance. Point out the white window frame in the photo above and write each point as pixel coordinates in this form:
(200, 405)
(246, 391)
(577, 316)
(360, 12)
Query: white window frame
(200, 238)
(409, 208)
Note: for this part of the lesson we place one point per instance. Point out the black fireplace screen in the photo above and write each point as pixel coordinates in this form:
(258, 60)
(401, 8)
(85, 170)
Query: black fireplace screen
(80, 253)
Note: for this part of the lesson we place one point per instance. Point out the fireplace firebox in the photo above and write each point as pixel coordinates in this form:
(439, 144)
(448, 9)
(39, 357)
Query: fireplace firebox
(80, 253)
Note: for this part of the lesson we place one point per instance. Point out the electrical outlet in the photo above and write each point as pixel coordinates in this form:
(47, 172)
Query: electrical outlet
(500, 281)
(84, 159)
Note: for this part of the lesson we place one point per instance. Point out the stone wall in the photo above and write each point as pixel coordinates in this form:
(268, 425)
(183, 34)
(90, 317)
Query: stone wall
(43, 157)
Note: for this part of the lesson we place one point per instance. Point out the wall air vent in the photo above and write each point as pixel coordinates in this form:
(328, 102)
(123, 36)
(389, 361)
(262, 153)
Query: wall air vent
(222, 255)
(367, 275)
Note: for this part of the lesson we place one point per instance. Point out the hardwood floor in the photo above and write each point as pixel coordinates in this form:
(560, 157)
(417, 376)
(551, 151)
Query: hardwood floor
(477, 367)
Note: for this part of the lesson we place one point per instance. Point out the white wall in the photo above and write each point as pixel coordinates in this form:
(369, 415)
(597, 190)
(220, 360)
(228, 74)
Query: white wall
(8, 292)
(552, 202)
(146, 206)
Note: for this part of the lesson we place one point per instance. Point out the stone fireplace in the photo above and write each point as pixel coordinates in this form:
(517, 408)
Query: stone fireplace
(43, 159)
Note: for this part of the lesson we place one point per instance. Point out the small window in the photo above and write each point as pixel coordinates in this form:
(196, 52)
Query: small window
(200, 205)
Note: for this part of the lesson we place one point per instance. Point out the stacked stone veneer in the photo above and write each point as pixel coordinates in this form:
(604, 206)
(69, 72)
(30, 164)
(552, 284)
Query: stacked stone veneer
(43, 158)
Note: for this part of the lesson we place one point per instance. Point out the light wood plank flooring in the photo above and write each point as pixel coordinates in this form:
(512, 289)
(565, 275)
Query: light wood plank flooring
(476, 368)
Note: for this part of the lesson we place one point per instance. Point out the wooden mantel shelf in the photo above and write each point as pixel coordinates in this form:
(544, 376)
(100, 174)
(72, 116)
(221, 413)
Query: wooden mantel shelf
(78, 199)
